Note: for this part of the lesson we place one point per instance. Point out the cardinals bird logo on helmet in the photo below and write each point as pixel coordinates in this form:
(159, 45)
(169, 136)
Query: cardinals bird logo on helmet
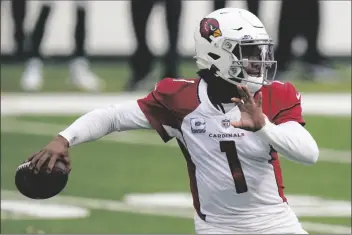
(210, 27)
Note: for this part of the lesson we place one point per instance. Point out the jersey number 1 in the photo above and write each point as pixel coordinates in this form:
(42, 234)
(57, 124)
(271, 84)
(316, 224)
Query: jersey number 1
(229, 148)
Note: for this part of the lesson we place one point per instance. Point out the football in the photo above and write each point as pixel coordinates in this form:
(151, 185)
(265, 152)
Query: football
(42, 185)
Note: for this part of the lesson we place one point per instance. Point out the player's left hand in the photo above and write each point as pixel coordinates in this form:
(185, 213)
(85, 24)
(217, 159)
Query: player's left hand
(252, 116)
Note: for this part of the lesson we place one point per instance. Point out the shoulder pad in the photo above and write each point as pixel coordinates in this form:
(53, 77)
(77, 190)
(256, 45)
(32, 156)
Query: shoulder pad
(173, 85)
(177, 94)
(278, 97)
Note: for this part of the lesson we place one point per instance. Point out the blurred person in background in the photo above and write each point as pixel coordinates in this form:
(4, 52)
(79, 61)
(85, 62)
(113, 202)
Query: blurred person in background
(142, 60)
(301, 18)
(252, 5)
(80, 74)
(18, 14)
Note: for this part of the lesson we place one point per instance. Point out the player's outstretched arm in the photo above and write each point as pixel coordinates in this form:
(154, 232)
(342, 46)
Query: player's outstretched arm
(89, 127)
(101, 122)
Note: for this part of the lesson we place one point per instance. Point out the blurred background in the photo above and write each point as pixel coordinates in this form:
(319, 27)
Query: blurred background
(60, 59)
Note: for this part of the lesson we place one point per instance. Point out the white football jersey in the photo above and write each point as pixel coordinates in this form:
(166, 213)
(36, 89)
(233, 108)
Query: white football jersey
(235, 177)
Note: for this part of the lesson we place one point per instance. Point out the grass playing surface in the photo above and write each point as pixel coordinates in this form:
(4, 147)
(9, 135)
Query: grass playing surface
(138, 162)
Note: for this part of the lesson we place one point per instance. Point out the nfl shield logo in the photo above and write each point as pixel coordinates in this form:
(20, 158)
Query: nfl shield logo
(247, 37)
(226, 123)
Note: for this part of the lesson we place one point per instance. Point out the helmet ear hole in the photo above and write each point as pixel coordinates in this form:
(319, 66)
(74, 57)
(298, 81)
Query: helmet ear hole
(236, 51)
(213, 56)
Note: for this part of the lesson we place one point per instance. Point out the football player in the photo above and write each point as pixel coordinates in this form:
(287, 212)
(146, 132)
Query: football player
(230, 124)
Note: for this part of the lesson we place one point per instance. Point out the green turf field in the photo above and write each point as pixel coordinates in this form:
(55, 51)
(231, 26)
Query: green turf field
(107, 172)
(118, 165)
(115, 76)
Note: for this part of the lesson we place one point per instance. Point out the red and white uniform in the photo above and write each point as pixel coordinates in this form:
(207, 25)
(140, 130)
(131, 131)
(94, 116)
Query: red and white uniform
(235, 175)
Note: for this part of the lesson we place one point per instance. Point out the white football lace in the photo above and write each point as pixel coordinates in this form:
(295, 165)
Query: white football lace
(24, 165)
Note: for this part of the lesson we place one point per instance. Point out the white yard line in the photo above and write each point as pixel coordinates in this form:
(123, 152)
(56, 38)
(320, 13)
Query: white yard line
(60, 103)
(120, 206)
(132, 137)
(73, 103)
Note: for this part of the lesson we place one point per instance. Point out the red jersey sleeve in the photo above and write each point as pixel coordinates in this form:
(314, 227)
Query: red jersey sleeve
(171, 100)
(282, 103)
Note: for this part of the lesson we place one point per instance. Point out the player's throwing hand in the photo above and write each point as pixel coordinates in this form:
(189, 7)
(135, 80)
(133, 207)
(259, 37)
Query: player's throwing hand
(56, 150)
(252, 117)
